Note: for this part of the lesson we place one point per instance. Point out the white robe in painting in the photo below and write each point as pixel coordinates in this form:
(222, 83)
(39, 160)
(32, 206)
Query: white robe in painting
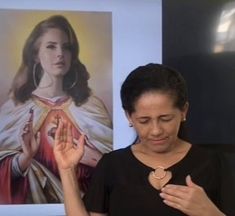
(40, 183)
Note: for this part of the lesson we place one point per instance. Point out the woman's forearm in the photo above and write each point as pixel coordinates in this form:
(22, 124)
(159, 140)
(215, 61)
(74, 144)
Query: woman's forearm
(74, 205)
(214, 211)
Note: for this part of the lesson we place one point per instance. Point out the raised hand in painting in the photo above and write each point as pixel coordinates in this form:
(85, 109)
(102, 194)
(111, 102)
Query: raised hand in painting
(67, 153)
(190, 199)
(30, 144)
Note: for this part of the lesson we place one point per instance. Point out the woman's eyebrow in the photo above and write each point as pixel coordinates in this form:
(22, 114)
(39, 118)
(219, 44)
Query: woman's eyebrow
(51, 42)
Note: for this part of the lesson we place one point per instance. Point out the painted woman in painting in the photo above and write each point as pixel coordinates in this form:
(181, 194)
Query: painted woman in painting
(50, 85)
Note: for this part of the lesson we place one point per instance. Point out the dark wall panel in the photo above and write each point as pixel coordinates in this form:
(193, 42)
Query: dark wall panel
(192, 44)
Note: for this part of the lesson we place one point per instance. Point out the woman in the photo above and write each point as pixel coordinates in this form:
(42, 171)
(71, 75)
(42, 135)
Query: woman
(160, 174)
(51, 85)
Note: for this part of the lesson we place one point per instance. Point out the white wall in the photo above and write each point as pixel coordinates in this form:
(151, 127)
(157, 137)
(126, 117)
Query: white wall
(137, 40)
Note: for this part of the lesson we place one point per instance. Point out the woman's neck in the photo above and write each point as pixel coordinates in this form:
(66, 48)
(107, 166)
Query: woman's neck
(48, 92)
(165, 159)
(50, 87)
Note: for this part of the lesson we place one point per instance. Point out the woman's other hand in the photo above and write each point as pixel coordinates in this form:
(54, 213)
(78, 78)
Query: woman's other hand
(67, 153)
(190, 199)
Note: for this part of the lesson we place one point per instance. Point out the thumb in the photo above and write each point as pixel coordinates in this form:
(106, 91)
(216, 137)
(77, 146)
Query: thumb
(189, 182)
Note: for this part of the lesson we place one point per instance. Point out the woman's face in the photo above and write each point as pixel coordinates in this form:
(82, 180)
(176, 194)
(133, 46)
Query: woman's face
(157, 121)
(54, 53)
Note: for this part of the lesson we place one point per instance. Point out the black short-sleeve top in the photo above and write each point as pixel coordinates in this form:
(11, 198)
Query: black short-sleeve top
(120, 185)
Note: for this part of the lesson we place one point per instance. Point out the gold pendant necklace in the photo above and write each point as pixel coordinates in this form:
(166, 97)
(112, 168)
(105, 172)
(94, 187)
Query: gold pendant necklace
(159, 173)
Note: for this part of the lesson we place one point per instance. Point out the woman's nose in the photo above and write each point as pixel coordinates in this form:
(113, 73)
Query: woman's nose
(60, 51)
(156, 129)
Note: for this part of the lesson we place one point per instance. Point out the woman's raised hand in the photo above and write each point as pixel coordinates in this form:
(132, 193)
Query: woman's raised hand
(67, 153)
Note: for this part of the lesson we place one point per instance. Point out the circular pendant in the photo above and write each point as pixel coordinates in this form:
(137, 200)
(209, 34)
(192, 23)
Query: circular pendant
(159, 173)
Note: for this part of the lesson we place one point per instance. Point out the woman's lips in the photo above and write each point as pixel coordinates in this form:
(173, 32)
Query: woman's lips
(159, 141)
(60, 63)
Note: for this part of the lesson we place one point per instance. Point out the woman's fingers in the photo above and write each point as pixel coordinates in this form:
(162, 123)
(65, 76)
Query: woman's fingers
(188, 199)
(68, 151)
(69, 133)
(68, 136)
(171, 188)
(64, 136)
(175, 197)
(175, 193)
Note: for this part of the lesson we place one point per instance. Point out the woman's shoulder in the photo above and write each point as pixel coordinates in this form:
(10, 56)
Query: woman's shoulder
(118, 154)
(204, 149)
(114, 159)
(204, 152)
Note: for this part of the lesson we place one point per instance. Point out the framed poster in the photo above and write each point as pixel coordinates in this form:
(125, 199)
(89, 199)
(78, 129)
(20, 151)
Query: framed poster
(111, 44)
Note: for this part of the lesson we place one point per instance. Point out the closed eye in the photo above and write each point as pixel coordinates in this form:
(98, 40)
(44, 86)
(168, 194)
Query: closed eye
(143, 120)
(166, 118)
(50, 46)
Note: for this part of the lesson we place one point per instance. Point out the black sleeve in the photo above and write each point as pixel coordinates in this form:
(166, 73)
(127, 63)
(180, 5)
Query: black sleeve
(97, 197)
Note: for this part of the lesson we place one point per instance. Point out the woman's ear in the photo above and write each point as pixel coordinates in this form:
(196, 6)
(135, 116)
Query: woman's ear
(129, 119)
(185, 111)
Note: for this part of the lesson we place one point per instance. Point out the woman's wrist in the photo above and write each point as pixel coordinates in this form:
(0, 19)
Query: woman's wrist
(67, 171)
(215, 212)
